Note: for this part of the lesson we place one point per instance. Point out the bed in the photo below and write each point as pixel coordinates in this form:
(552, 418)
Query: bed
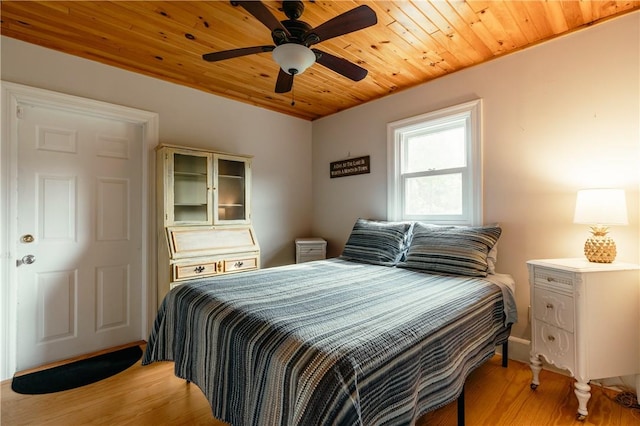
(373, 337)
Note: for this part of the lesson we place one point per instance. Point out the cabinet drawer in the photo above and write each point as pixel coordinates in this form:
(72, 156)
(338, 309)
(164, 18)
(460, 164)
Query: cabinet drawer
(557, 345)
(553, 278)
(554, 308)
(194, 270)
(240, 264)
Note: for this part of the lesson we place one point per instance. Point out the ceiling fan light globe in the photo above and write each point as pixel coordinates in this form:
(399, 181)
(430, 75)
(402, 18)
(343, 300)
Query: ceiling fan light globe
(293, 58)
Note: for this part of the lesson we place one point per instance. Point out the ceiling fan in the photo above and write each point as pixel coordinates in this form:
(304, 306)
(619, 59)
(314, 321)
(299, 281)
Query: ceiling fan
(293, 37)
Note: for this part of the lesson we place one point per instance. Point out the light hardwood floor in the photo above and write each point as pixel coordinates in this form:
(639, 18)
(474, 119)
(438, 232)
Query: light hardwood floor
(152, 395)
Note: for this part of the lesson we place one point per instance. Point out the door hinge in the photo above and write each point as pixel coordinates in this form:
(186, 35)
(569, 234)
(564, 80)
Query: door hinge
(19, 112)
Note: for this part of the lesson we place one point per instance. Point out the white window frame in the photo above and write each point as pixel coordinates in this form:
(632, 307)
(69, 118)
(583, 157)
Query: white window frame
(397, 132)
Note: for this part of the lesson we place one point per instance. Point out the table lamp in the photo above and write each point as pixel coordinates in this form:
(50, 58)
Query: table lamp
(599, 208)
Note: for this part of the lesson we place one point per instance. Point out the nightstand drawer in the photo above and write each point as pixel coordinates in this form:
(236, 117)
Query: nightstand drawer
(557, 345)
(194, 270)
(308, 254)
(553, 278)
(553, 308)
(313, 251)
(310, 257)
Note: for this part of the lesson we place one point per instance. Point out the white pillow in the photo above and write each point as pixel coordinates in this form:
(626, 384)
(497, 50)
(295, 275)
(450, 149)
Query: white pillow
(492, 258)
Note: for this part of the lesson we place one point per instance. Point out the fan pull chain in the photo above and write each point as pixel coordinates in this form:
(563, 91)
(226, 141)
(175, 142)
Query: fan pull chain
(293, 96)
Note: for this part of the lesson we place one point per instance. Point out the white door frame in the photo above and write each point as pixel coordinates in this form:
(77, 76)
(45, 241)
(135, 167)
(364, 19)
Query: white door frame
(14, 94)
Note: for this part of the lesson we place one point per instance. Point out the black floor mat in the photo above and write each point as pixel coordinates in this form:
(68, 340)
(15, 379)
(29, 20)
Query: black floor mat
(76, 374)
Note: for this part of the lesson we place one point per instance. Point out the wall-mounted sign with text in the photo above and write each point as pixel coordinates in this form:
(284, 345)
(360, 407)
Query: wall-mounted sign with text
(350, 167)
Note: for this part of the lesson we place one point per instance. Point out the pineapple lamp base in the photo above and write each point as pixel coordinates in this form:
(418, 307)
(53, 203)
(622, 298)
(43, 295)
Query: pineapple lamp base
(599, 247)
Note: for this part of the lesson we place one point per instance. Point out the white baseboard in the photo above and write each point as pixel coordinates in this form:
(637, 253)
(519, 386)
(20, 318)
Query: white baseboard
(519, 349)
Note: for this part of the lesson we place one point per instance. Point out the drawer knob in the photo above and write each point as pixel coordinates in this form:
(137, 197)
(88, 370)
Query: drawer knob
(550, 279)
(238, 264)
(198, 269)
(551, 338)
(549, 305)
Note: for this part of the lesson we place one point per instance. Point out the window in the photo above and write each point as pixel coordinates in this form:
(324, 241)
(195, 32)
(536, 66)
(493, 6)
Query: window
(434, 167)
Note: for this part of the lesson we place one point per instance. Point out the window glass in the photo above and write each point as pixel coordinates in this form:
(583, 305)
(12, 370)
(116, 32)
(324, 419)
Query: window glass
(434, 167)
(433, 195)
(435, 150)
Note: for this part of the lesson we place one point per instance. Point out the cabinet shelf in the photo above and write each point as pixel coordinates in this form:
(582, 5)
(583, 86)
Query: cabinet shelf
(230, 176)
(179, 173)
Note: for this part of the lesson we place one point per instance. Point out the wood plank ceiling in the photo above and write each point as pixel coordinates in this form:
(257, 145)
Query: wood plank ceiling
(412, 43)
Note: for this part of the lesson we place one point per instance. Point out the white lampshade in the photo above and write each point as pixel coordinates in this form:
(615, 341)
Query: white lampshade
(293, 58)
(601, 206)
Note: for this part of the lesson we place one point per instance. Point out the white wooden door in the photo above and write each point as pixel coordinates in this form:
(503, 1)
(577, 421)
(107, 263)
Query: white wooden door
(80, 219)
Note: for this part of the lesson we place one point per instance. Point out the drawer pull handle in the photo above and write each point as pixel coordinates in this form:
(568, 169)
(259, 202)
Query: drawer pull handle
(238, 264)
(549, 306)
(550, 279)
(551, 338)
(219, 266)
(198, 269)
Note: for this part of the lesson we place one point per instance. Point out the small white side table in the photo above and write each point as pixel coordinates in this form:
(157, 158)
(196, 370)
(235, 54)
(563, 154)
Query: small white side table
(308, 249)
(585, 319)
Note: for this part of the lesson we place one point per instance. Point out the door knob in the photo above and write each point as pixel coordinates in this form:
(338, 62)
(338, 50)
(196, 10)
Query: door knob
(26, 260)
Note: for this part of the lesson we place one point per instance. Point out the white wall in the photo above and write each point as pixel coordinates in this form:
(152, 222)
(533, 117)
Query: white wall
(281, 145)
(559, 117)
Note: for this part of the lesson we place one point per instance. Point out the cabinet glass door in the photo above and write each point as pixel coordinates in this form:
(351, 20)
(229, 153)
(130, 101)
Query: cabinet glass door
(231, 190)
(191, 188)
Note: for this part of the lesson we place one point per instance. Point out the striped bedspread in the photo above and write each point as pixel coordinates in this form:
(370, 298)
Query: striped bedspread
(329, 342)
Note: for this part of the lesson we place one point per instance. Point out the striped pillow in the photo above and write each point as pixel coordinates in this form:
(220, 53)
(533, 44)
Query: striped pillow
(379, 243)
(451, 250)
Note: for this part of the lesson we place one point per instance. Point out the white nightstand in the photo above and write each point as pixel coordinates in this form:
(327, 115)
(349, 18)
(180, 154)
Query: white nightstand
(585, 319)
(308, 249)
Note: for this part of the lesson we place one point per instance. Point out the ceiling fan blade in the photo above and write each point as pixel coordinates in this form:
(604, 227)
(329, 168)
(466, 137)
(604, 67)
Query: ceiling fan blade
(234, 53)
(284, 82)
(353, 20)
(262, 14)
(340, 65)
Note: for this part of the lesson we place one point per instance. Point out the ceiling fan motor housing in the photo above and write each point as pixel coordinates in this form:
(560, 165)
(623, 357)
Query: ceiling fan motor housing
(297, 31)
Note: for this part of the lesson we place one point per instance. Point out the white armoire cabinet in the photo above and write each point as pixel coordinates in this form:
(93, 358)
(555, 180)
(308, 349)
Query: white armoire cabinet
(204, 215)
